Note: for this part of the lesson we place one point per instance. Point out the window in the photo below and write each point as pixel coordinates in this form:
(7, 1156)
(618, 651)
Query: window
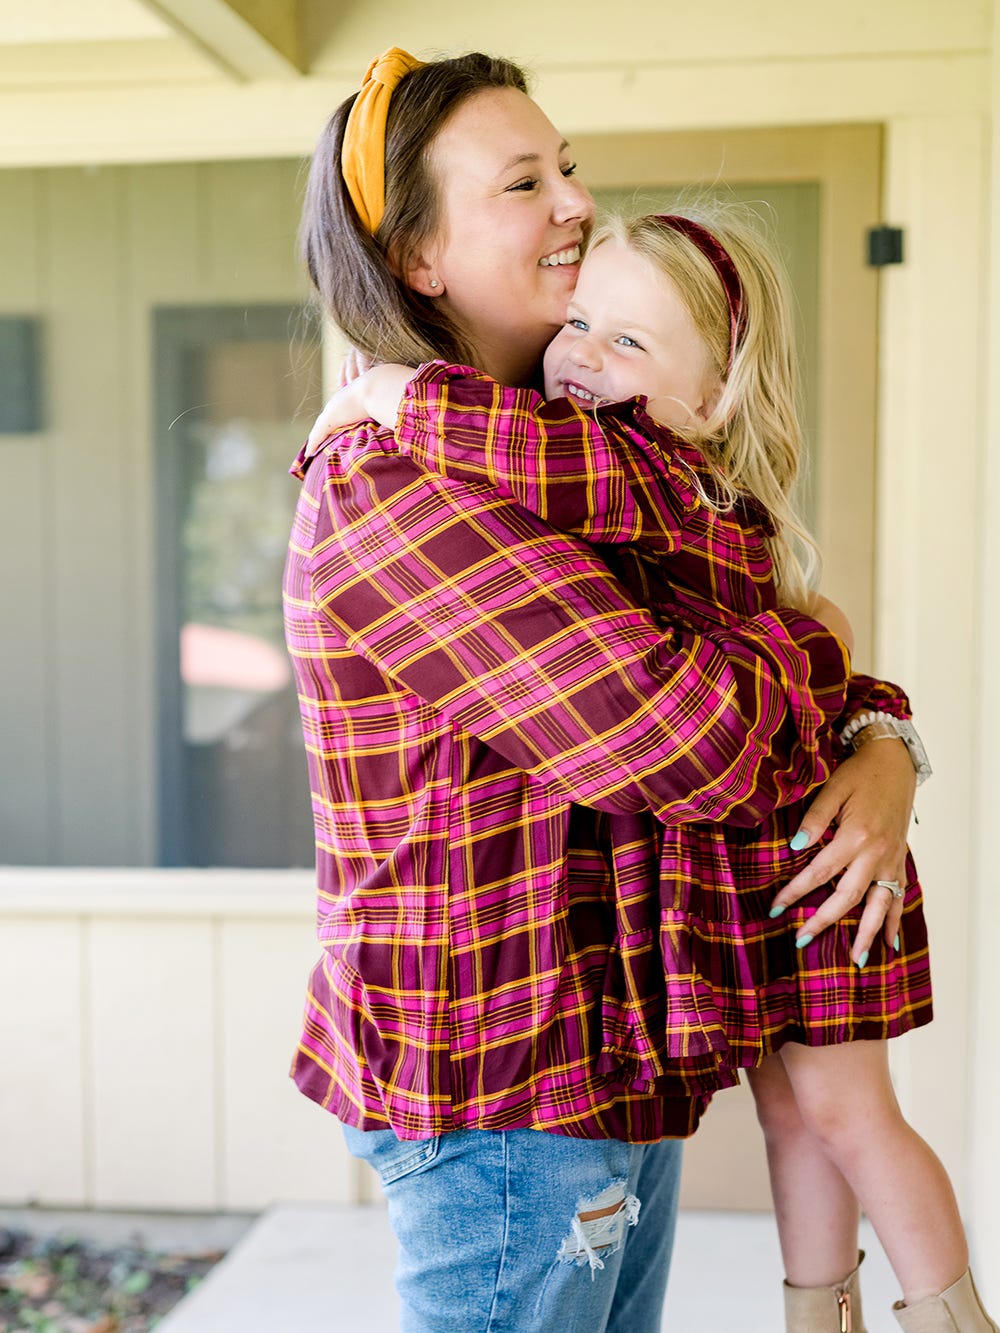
(233, 784)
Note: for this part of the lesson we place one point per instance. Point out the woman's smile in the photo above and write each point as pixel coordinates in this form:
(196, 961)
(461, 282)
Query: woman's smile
(514, 218)
(562, 258)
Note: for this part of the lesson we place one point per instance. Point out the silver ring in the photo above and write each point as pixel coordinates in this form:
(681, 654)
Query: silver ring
(892, 885)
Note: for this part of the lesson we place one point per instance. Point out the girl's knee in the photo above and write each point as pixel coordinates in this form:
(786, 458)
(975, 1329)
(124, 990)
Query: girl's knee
(777, 1109)
(845, 1119)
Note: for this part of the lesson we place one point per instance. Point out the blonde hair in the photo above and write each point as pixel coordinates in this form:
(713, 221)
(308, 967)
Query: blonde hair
(751, 440)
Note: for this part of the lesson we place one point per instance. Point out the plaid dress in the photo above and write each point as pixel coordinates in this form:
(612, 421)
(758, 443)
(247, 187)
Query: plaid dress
(498, 733)
(701, 980)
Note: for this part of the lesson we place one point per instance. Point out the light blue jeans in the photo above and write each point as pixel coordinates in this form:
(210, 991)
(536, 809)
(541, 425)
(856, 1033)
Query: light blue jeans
(490, 1237)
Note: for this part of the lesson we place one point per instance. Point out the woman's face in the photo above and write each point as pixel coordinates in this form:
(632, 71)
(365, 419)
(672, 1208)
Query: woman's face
(628, 332)
(513, 217)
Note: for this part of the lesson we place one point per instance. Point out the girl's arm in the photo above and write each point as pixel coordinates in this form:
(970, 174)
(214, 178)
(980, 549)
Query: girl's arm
(374, 394)
(519, 635)
(603, 476)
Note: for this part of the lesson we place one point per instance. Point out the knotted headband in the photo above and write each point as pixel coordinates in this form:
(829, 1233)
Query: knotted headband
(720, 259)
(362, 154)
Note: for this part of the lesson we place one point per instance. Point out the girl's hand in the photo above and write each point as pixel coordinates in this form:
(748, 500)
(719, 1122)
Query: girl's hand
(353, 366)
(869, 798)
(343, 409)
(370, 395)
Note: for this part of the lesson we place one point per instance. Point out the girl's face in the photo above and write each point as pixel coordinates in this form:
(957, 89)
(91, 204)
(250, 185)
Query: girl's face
(507, 253)
(627, 331)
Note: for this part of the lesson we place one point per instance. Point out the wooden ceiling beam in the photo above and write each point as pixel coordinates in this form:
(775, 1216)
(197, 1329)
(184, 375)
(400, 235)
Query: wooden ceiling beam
(247, 39)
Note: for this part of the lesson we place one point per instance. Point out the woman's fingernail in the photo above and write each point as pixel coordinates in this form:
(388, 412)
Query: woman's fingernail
(800, 840)
(863, 958)
(895, 943)
(802, 941)
(776, 910)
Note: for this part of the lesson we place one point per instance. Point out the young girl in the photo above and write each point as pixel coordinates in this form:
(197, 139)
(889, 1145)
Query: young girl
(697, 520)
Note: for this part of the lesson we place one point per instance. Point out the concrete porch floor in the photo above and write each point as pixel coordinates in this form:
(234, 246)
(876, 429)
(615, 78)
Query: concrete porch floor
(329, 1270)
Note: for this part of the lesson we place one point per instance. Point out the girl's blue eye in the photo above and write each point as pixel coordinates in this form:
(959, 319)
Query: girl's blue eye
(626, 341)
(578, 324)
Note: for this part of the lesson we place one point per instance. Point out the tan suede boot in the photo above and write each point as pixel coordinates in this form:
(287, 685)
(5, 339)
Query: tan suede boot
(835, 1309)
(957, 1310)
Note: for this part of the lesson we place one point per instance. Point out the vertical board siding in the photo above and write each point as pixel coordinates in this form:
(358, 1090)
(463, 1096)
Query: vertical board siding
(153, 1056)
(43, 1057)
(251, 218)
(275, 1144)
(145, 1060)
(25, 741)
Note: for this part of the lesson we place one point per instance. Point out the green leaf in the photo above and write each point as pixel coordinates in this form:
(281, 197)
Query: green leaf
(136, 1283)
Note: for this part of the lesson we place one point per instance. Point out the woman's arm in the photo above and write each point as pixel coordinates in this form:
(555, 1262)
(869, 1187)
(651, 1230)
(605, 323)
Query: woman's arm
(520, 636)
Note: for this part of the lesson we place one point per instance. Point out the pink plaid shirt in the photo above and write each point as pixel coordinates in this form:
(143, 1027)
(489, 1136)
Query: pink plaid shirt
(498, 731)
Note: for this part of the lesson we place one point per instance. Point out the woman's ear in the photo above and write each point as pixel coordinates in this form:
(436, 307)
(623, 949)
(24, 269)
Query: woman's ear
(418, 273)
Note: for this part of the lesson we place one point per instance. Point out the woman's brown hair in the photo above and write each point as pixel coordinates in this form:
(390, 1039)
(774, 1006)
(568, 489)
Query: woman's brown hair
(356, 275)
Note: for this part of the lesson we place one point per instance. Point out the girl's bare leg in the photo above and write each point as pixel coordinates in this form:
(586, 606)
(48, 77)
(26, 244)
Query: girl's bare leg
(846, 1101)
(816, 1209)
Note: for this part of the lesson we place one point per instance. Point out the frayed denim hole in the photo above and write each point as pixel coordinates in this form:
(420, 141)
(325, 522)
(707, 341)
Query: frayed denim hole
(605, 1233)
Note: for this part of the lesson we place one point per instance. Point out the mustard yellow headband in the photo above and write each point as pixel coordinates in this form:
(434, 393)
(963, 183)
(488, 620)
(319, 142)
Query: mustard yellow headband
(362, 155)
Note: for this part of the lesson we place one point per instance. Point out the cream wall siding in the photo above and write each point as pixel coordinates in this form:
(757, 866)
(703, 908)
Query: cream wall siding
(46, 1112)
(164, 1011)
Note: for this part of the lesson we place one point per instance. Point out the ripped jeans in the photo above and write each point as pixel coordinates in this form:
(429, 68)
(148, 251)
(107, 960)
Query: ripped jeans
(523, 1231)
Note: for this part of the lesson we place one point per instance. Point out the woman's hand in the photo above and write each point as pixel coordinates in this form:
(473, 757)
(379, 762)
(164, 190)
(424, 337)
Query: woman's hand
(367, 395)
(869, 798)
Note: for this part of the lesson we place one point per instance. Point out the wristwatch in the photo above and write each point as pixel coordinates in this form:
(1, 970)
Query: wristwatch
(874, 726)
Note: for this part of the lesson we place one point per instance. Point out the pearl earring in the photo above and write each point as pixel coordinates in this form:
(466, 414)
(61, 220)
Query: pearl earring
(434, 282)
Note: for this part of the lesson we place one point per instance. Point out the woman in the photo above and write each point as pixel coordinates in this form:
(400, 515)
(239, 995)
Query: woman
(495, 732)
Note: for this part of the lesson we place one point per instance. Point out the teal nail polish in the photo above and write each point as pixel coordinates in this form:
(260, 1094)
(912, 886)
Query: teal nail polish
(776, 910)
(802, 941)
(800, 840)
(863, 959)
(895, 943)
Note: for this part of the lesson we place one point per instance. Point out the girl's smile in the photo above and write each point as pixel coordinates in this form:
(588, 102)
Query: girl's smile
(628, 332)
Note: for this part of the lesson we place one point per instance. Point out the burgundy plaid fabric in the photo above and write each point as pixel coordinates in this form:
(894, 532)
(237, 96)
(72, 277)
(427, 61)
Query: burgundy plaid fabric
(498, 734)
(701, 969)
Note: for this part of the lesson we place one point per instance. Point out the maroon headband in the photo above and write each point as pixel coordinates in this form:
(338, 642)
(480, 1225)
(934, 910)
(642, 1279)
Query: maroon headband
(718, 256)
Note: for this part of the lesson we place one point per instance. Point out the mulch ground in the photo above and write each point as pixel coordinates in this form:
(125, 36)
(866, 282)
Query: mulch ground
(66, 1285)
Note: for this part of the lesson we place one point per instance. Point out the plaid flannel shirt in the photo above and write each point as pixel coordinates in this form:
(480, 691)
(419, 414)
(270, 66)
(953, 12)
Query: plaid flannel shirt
(497, 732)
